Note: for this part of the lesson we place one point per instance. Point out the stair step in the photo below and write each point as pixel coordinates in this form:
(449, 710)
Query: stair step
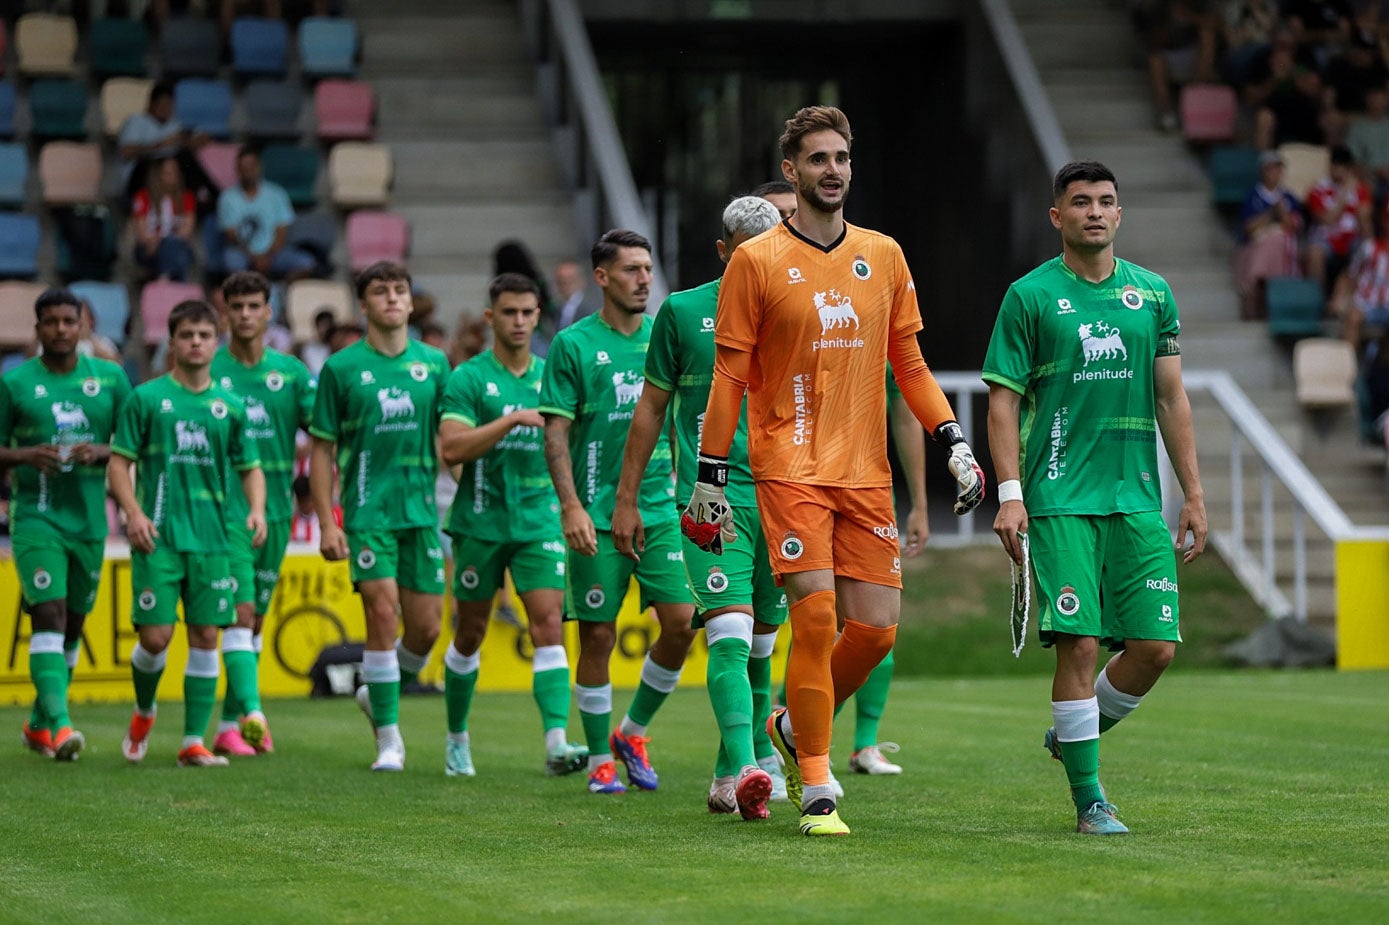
(473, 170)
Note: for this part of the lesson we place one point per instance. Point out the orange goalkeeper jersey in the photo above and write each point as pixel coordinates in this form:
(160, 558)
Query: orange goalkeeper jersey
(817, 322)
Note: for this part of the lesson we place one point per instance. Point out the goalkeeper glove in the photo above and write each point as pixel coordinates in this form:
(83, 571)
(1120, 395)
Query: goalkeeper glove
(708, 520)
(969, 476)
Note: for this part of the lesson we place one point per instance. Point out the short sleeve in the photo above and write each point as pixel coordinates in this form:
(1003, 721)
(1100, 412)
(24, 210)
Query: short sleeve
(561, 382)
(325, 424)
(130, 429)
(662, 355)
(120, 392)
(1008, 361)
(1169, 325)
(740, 303)
(460, 398)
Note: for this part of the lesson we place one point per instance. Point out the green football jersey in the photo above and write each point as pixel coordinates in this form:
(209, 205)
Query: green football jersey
(279, 395)
(681, 361)
(594, 376)
(383, 413)
(40, 406)
(185, 446)
(1081, 355)
(506, 496)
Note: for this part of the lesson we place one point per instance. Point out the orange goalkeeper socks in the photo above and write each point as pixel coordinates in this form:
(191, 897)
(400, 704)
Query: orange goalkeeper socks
(859, 650)
(809, 683)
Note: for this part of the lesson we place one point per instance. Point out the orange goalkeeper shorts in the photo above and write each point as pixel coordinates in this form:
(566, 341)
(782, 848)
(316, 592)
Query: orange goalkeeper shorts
(850, 530)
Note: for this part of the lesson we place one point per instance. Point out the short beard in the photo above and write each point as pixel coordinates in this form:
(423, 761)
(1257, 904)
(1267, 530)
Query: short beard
(811, 195)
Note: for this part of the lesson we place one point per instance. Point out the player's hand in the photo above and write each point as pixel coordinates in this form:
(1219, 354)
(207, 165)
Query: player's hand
(969, 476)
(708, 520)
(918, 531)
(579, 531)
(1192, 520)
(1010, 524)
(91, 454)
(527, 417)
(256, 524)
(141, 532)
(333, 543)
(629, 533)
(44, 457)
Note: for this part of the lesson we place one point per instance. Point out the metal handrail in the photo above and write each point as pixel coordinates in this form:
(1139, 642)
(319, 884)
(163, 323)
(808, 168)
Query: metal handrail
(1027, 83)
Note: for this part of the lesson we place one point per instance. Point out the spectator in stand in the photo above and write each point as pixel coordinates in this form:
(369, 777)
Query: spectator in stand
(422, 311)
(345, 334)
(303, 527)
(156, 134)
(1296, 107)
(1270, 222)
(163, 219)
(1362, 293)
(1250, 26)
(1180, 38)
(433, 335)
(1368, 140)
(316, 351)
(89, 342)
(1322, 27)
(255, 216)
(469, 339)
(1339, 206)
(571, 289)
(1357, 69)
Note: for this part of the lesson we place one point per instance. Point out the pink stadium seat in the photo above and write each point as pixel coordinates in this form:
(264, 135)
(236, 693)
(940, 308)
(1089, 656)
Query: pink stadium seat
(17, 313)
(219, 160)
(157, 300)
(1208, 112)
(373, 236)
(345, 109)
(70, 172)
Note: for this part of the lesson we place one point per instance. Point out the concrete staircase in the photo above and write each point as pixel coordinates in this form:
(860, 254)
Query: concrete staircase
(1092, 69)
(456, 101)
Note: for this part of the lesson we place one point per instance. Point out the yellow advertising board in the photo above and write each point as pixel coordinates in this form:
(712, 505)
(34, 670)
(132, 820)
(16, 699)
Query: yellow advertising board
(1362, 604)
(314, 607)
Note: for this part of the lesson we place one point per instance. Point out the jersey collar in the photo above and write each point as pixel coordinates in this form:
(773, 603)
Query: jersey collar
(824, 249)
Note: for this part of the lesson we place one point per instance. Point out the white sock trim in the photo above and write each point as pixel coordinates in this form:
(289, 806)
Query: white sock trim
(459, 663)
(658, 677)
(1113, 702)
(202, 663)
(71, 655)
(1076, 720)
(46, 643)
(762, 645)
(258, 642)
(549, 658)
(380, 667)
(410, 661)
(237, 639)
(594, 699)
(731, 625)
(147, 661)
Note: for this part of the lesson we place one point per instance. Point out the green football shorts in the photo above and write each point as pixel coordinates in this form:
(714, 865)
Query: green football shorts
(412, 556)
(741, 576)
(479, 566)
(257, 570)
(55, 568)
(598, 583)
(202, 580)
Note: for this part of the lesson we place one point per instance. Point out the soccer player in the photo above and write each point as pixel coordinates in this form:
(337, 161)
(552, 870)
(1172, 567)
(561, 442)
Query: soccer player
(279, 394)
(593, 379)
(780, 194)
(739, 604)
(809, 316)
(185, 434)
(1083, 370)
(377, 409)
(505, 516)
(57, 412)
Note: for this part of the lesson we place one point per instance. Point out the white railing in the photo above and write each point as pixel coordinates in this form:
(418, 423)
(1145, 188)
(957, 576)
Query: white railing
(1251, 555)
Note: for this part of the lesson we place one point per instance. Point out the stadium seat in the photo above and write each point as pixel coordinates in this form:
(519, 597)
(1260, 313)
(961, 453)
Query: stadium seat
(327, 47)
(373, 236)
(360, 174)
(260, 47)
(272, 108)
(19, 247)
(58, 109)
(1324, 371)
(4, 43)
(317, 233)
(14, 174)
(218, 159)
(308, 297)
(17, 313)
(70, 172)
(345, 109)
(204, 105)
(1208, 112)
(157, 300)
(1294, 306)
(110, 304)
(121, 98)
(1234, 171)
(1306, 164)
(46, 45)
(296, 169)
(85, 246)
(190, 47)
(118, 48)
(7, 104)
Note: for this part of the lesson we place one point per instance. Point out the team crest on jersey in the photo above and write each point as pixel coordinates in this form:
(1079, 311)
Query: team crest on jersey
(42, 579)
(1131, 298)
(1067, 602)
(792, 547)
(91, 387)
(861, 268)
(468, 578)
(595, 597)
(219, 409)
(794, 275)
(147, 600)
(418, 372)
(274, 382)
(40, 391)
(366, 559)
(717, 581)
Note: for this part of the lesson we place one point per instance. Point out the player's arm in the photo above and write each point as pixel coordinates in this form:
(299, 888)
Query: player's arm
(462, 442)
(579, 531)
(1005, 446)
(139, 528)
(1174, 419)
(629, 533)
(253, 487)
(708, 520)
(911, 452)
(333, 542)
(42, 456)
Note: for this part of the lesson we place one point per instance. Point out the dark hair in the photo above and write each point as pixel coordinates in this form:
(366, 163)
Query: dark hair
(772, 188)
(605, 248)
(56, 296)
(300, 486)
(511, 282)
(159, 91)
(1342, 156)
(1081, 172)
(809, 120)
(246, 282)
(381, 271)
(192, 311)
(430, 327)
(325, 314)
(247, 151)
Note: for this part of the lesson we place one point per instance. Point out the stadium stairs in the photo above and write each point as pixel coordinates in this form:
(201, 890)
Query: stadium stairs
(1092, 69)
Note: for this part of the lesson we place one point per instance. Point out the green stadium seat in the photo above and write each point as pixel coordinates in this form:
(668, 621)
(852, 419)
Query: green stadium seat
(118, 48)
(296, 169)
(1234, 170)
(58, 109)
(1294, 307)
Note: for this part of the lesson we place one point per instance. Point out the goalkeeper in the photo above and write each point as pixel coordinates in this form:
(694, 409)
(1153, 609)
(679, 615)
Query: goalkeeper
(809, 315)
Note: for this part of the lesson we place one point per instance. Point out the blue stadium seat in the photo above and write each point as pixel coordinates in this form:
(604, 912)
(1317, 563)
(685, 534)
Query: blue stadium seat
(214, 245)
(14, 174)
(204, 105)
(110, 305)
(317, 233)
(190, 47)
(260, 47)
(58, 109)
(19, 246)
(118, 47)
(296, 169)
(328, 47)
(7, 109)
(1294, 307)
(272, 108)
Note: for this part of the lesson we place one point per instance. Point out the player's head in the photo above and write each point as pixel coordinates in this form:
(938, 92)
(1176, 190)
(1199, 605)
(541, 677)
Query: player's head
(780, 194)
(815, 152)
(246, 295)
(513, 309)
(743, 219)
(1085, 206)
(58, 322)
(192, 334)
(622, 268)
(383, 289)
